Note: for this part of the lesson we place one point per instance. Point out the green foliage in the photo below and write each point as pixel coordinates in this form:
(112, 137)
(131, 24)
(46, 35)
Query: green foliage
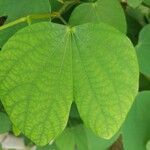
(136, 129)
(22, 8)
(43, 78)
(147, 2)
(97, 12)
(5, 124)
(143, 51)
(69, 74)
(81, 138)
(134, 3)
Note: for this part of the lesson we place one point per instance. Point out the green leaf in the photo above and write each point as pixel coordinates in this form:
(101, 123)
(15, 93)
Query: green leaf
(48, 147)
(143, 51)
(45, 66)
(16, 9)
(71, 138)
(66, 140)
(136, 129)
(134, 3)
(105, 11)
(147, 2)
(16, 131)
(36, 80)
(5, 124)
(55, 5)
(105, 77)
(97, 143)
(148, 145)
(83, 139)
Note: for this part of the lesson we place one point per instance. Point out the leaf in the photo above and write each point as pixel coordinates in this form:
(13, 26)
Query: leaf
(148, 145)
(136, 129)
(16, 131)
(97, 143)
(36, 86)
(48, 147)
(147, 2)
(44, 67)
(55, 5)
(73, 138)
(105, 11)
(134, 3)
(82, 138)
(5, 124)
(105, 77)
(66, 140)
(143, 51)
(16, 9)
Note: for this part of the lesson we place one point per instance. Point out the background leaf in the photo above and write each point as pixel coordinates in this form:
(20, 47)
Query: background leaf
(5, 124)
(105, 11)
(143, 51)
(136, 130)
(134, 3)
(16, 9)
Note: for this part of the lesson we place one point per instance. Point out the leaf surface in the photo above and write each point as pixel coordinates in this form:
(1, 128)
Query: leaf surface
(44, 67)
(105, 11)
(143, 51)
(20, 8)
(5, 124)
(105, 77)
(134, 3)
(36, 80)
(136, 129)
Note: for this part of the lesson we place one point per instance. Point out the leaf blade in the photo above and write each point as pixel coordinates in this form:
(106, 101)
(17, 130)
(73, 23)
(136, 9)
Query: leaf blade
(37, 81)
(105, 77)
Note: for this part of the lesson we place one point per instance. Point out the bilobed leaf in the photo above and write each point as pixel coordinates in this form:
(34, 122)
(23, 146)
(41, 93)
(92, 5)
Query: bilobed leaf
(44, 67)
(136, 129)
(107, 11)
(134, 3)
(19, 8)
(5, 124)
(143, 51)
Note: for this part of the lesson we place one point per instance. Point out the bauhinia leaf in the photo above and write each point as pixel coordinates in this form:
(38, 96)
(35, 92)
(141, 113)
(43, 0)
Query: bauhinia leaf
(143, 51)
(107, 11)
(45, 66)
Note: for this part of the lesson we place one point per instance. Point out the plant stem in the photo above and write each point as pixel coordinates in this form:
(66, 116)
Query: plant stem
(29, 19)
(52, 15)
